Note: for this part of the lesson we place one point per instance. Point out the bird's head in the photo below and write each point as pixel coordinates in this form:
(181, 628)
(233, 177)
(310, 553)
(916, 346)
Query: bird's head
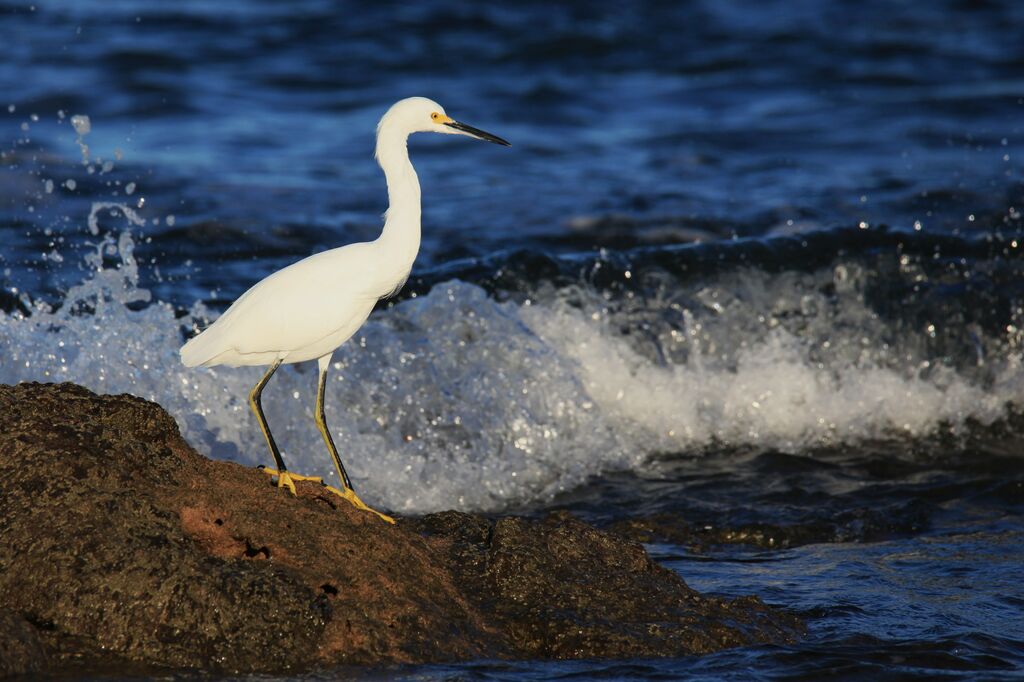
(422, 115)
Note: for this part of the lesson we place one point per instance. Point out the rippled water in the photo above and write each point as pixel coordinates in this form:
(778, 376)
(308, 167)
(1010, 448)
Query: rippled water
(819, 401)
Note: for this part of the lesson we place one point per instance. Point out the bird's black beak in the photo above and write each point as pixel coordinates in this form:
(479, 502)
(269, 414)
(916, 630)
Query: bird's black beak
(477, 133)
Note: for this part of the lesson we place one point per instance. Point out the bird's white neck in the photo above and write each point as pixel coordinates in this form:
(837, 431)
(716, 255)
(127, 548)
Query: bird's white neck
(400, 238)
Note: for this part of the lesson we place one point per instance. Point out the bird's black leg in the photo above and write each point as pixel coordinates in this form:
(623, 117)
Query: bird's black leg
(285, 479)
(346, 491)
(257, 408)
(321, 423)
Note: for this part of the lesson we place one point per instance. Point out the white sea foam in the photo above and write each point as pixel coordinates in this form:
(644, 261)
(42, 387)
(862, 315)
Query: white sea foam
(454, 399)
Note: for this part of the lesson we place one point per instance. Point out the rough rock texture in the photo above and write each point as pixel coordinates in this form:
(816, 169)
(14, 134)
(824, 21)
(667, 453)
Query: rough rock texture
(855, 525)
(564, 589)
(21, 652)
(120, 545)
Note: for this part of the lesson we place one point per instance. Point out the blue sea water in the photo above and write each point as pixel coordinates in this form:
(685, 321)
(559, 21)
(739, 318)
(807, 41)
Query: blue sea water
(744, 263)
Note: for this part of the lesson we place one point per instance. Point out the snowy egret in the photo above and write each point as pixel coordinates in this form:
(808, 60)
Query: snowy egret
(308, 309)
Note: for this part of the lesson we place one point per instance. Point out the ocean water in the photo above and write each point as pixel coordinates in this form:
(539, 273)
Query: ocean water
(746, 266)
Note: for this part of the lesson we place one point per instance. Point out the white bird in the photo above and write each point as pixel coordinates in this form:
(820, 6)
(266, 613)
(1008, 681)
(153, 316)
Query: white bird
(308, 309)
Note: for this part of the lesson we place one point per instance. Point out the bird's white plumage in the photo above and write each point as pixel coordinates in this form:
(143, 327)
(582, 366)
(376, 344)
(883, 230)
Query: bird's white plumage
(311, 307)
(297, 313)
(308, 309)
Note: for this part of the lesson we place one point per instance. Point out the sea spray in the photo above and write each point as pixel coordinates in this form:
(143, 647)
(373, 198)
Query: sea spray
(458, 398)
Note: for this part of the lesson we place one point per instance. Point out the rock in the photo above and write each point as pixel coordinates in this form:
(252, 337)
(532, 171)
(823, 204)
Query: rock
(122, 546)
(563, 589)
(852, 525)
(21, 652)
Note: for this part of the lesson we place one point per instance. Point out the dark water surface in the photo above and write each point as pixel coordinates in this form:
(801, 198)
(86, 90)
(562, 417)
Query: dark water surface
(821, 402)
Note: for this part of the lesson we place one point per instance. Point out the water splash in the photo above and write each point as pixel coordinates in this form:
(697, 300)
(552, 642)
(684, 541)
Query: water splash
(117, 209)
(82, 126)
(457, 399)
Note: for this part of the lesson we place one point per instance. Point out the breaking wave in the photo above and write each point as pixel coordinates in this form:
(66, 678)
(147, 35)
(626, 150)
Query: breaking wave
(503, 382)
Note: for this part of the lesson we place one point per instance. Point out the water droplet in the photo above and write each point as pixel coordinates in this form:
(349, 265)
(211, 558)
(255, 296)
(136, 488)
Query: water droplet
(81, 124)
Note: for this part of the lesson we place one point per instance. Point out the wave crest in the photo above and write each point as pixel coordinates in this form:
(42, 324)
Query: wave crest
(525, 383)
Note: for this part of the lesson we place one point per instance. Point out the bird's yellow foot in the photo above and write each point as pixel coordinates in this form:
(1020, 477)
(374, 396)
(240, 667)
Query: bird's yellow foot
(286, 479)
(348, 494)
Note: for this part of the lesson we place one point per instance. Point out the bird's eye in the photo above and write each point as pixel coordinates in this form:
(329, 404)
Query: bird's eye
(435, 116)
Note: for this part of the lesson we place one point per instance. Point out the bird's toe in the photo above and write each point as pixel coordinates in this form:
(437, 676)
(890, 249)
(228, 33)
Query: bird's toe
(350, 496)
(287, 479)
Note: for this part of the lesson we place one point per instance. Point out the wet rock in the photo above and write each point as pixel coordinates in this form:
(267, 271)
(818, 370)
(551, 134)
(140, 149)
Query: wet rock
(563, 589)
(855, 525)
(122, 546)
(21, 652)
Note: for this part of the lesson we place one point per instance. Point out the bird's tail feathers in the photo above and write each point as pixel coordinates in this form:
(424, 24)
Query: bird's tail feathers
(199, 350)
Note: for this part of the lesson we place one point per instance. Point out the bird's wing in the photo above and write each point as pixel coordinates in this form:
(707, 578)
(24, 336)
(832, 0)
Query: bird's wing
(296, 306)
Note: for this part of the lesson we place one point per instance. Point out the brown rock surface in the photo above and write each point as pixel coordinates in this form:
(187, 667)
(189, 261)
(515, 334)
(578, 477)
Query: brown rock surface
(119, 544)
(21, 652)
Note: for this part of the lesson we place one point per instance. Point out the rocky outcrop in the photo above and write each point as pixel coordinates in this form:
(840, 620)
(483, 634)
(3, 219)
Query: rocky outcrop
(21, 652)
(853, 525)
(120, 545)
(563, 589)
